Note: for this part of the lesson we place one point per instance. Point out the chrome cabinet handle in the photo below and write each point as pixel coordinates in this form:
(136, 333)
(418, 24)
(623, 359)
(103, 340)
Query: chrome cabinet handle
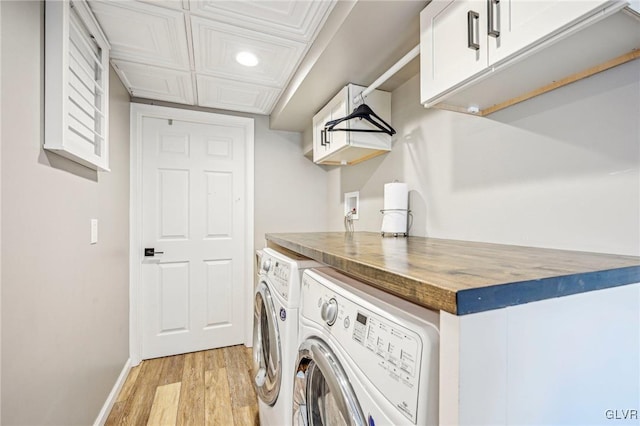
(493, 13)
(472, 19)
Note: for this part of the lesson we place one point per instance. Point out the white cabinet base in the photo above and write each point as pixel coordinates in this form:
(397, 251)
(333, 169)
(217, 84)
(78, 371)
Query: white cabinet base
(571, 360)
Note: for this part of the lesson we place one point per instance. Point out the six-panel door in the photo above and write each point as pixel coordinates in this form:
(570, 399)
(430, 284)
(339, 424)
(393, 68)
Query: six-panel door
(193, 211)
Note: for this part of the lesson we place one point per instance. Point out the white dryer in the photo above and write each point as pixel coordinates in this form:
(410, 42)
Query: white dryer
(365, 357)
(275, 333)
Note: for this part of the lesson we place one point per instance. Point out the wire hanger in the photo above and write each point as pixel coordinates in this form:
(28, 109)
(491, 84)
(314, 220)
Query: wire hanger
(363, 111)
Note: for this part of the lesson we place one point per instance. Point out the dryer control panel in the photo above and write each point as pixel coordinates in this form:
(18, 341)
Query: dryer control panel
(283, 272)
(387, 353)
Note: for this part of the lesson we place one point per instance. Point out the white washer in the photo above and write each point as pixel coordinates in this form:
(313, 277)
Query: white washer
(365, 357)
(275, 333)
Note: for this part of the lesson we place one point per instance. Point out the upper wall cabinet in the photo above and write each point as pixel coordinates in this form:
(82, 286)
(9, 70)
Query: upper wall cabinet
(477, 56)
(350, 147)
(76, 84)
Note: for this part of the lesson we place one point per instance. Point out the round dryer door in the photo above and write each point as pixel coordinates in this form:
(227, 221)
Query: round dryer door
(266, 346)
(322, 393)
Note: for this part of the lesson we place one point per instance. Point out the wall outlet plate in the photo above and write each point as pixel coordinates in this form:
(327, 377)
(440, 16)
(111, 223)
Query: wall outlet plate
(352, 204)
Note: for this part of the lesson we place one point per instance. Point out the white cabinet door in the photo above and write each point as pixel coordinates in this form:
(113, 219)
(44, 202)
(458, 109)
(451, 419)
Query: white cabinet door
(320, 146)
(449, 31)
(522, 24)
(463, 41)
(325, 143)
(339, 107)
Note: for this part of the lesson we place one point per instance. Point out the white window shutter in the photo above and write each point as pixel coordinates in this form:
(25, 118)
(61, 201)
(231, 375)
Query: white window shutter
(76, 84)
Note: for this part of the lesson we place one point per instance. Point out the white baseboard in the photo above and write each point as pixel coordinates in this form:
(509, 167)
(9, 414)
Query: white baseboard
(111, 399)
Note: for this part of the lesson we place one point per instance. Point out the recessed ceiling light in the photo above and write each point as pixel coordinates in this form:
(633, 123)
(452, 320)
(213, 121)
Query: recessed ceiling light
(247, 59)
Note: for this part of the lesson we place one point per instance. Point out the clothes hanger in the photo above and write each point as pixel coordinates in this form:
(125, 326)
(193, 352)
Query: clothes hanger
(363, 111)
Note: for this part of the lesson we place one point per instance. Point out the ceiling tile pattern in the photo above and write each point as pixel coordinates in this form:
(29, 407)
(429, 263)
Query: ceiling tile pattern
(146, 81)
(215, 92)
(143, 33)
(184, 50)
(294, 20)
(216, 45)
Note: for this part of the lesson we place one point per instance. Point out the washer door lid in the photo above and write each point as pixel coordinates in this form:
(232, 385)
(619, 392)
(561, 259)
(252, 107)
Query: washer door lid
(267, 356)
(330, 399)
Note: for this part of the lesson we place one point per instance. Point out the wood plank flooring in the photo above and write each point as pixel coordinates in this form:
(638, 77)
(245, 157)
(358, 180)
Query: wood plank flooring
(201, 388)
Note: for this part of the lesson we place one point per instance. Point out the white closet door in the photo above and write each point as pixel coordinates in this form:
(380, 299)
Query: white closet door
(193, 184)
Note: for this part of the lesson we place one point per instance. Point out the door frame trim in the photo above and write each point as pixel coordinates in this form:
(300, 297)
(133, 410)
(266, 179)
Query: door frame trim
(138, 112)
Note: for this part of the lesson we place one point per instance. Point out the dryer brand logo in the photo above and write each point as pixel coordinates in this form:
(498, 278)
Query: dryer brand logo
(283, 314)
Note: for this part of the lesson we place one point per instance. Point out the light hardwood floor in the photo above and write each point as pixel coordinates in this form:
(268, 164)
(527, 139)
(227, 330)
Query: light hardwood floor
(202, 388)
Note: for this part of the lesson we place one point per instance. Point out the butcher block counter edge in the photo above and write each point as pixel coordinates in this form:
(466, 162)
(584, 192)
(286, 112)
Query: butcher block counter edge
(421, 289)
(518, 293)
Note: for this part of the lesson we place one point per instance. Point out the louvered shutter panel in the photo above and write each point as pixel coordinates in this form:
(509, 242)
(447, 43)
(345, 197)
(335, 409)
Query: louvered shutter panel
(83, 80)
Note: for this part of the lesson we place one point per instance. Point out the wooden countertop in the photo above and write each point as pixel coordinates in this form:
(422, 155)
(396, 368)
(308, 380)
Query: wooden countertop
(462, 277)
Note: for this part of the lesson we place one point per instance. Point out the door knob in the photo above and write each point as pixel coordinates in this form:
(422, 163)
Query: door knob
(150, 252)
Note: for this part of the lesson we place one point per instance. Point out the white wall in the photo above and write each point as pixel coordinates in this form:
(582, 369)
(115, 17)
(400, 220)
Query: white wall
(290, 189)
(561, 170)
(65, 308)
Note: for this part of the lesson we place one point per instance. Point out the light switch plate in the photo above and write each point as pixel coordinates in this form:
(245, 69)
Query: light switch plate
(94, 231)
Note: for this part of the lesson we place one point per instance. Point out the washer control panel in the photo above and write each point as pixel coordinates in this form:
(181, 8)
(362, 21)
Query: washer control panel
(392, 344)
(279, 274)
(388, 353)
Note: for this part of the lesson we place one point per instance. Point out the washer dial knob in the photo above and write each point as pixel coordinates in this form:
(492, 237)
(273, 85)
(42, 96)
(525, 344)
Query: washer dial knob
(329, 311)
(266, 265)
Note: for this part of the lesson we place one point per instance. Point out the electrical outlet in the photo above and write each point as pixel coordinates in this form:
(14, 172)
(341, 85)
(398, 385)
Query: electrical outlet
(352, 204)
